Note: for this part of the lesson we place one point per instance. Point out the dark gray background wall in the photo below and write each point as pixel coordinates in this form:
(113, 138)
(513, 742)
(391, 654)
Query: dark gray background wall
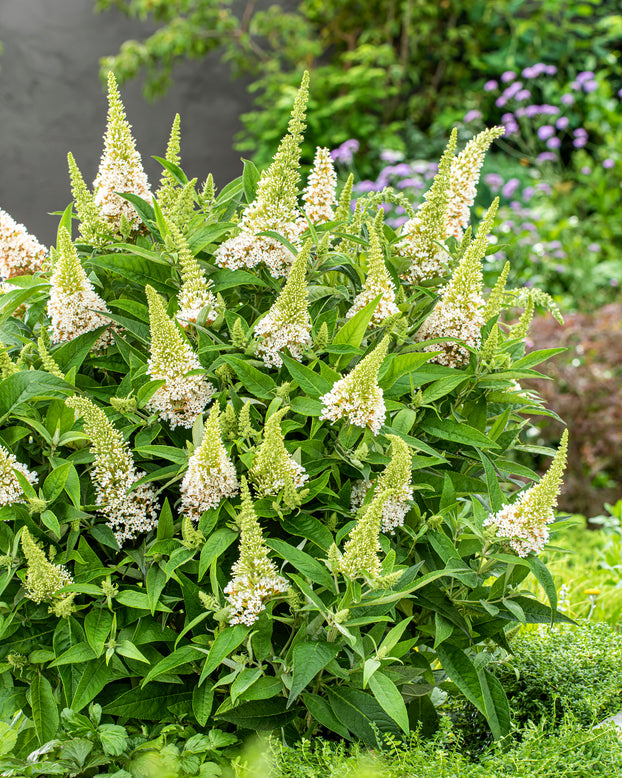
(52, 102)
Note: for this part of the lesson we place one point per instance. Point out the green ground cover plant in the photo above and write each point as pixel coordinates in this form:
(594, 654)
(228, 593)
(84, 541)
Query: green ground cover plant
(257, 459)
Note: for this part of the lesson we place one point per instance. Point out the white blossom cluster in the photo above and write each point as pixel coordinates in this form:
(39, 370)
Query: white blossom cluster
(183, 397)
(464, 175)
(20, 252)
(247, 596)
(319, 196)
(192, 302)
(344, 402)
(429, 260)
(71, 312)
(128, 513)
(395, 508)
(270, 481)
(211, 474)
(462, 318)
(277, 332)
(248, 250)
(120, 175)
(385, 308)
(524, 528)
(10, 490)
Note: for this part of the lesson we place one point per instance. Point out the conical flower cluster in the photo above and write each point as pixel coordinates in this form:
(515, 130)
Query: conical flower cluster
(360, 553)
(459, 313)
(167, 194)
(320, 195)
(195, 293)
(10, 489)
(93, 227)
(377, 282)
(357, 397)
(43, 579)
(182, 397)
(395, 481)
(422, 234)
(73, 302)
(287, 324)
(255, 577)
(273, 466)
(114, 474)
(120, 168)
(524, 523)
(275, 207)
(20, 253)
(465, 170)
(211, 475)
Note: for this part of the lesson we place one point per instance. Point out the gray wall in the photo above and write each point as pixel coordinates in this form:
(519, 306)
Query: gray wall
(52, 102)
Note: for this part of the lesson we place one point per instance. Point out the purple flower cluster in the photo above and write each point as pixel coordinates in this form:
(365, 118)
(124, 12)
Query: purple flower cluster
(585, 81)
(345, 152)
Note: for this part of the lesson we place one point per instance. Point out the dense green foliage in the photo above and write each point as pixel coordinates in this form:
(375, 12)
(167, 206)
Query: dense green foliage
(291, 611)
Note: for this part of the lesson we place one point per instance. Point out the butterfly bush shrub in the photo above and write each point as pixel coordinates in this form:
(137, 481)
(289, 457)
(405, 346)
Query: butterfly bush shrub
(257, 453)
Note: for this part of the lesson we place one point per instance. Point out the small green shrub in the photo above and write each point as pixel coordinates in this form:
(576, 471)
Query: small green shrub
(337, 358)
(572, 752)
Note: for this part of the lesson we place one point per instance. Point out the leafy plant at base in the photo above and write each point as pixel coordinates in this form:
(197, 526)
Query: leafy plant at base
(294, 611)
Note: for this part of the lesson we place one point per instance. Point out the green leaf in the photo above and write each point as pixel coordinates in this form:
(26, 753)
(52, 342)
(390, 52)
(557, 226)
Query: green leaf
(217, 543)
(494, 490)
(308, 659)
(202, 702)
(128, 649)
(353, 331)
(310, 382)
(226, 642)
(8, 738)
(182, 656)
(250, 177)
(262, 715)
(113, 738)
(244, 681)
(320, 710)
(29, 385)
(462, 672)
(156, 581)
(75, 655)
(44, 710)
(51, 522)
(97, 626)
(165, 522)
(139, 600)
(400, 365)
(257, 382)
(170, 453)
(138, 270)
(361, 713)
(149, 704)
(302, 562)
(497, 707)
(390, 699)
(96, 675)
(447, 429)
(544, 578)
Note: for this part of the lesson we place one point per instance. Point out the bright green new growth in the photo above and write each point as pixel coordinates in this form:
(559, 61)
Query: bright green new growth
(377, 273)
(521, 328)
(168, 349)
(245, 427)
(166, 193)
(293, 303)
(106, 440)
(360, 553)
(195, 293)
(211, 452)
(118, 131)
(545, 493)
(7, 366)
(399, 470)
(351, 247)
(495, 299)
(48, 362)
(467, 280)
(93, 227)
(69, 275)
(273, 467)
(253, 560)
(181, 209)
(342, 213)
(43, 579)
